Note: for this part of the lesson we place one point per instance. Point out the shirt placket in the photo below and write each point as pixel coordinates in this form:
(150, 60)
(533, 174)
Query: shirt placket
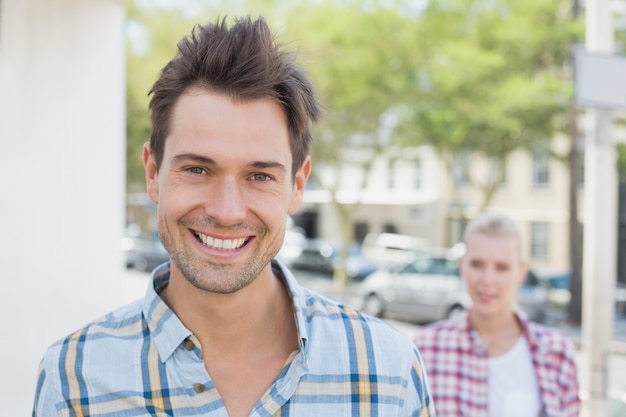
(196, 386)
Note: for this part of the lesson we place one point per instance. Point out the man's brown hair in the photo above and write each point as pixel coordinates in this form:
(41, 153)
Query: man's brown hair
(243, 62)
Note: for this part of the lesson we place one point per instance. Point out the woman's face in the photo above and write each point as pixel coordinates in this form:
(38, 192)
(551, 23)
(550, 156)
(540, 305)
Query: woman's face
(493, 271)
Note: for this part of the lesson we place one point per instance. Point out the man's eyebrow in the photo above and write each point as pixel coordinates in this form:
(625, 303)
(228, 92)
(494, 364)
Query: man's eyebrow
(268, 164)
(210, 161)
(192, 157)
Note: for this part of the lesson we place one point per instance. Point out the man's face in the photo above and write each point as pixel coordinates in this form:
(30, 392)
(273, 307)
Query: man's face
(224, 189)
(493, 272)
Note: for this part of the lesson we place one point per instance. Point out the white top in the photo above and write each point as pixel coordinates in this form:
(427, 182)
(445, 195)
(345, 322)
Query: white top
(513, 387)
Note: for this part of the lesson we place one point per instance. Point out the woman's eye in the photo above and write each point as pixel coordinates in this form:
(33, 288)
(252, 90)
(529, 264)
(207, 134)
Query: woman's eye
(261, 177)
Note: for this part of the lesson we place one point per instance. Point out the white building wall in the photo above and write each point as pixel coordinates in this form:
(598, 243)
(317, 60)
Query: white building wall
(433, 211)
(526, 204)
(391, 194)
(62, 123)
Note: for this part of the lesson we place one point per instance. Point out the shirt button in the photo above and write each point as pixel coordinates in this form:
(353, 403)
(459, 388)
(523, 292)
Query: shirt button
(189, 344)
(198, 388)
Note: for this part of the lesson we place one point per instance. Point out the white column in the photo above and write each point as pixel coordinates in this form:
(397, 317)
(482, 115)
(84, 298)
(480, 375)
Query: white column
(62, 141)
(600, 230)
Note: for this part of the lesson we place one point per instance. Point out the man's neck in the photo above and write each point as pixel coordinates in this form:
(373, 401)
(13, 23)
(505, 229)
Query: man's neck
(246, 337)
(233, 321)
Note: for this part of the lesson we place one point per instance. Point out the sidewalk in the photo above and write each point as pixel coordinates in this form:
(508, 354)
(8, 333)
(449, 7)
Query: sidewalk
(615, 365)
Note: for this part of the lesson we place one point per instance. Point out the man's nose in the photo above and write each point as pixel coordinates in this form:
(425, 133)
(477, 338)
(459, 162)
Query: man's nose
(226, 202)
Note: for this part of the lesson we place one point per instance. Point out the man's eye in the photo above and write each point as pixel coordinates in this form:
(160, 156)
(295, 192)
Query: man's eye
(195, 170)
(261, 177)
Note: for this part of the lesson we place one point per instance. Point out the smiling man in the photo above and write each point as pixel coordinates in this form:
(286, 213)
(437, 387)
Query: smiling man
(225, 329)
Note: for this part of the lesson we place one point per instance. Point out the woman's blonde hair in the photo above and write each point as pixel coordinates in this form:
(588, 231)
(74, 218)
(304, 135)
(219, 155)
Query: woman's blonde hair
(493, 224)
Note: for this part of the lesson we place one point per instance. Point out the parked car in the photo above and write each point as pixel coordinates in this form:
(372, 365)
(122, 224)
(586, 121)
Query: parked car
(322, 256)
(144, 254)
(559, 295)
(430, 289)
(427, 289)
(533, 297)
(393, 249)
(557, 283)
(292, 247)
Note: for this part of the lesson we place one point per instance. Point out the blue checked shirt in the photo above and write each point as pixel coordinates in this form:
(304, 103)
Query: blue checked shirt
(140, 360)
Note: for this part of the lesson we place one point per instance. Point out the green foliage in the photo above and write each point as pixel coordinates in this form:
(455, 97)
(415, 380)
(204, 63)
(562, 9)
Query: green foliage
(493, 74)
(621, 160)
(151, 42)
(620, 39)
(361, 58)
(472, 74)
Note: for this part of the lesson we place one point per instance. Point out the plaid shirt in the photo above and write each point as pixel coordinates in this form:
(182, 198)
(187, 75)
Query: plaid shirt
(140, 360)
(456, 360)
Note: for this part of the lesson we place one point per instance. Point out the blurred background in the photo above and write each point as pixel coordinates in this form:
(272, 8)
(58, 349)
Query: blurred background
(436, 110)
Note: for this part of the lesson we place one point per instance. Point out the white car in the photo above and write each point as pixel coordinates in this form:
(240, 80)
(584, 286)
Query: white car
(426, 289)
(430, 289)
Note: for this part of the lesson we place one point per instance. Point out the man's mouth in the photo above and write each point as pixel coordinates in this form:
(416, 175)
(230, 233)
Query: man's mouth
(222, 244)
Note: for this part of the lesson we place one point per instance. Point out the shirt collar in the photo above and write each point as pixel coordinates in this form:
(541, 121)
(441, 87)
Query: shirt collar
(169, 332)
(479, 346)
(530, 331)
(165, 327)
(299, 298)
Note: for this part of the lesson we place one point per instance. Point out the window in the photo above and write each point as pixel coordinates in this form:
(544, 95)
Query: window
(460, 169)
(496, 166)
(541, 169)
(361, 229)
(417, 177)
(431, 266)
(391, 170)
(539, 240)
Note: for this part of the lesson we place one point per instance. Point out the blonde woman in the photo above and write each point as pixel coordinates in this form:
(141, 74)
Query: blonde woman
(493, 361)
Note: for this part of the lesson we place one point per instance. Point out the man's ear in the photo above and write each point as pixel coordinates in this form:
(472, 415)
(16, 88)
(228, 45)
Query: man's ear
(299, 184)
(149, 164)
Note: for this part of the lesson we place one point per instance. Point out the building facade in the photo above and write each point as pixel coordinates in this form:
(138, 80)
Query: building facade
(420, 194)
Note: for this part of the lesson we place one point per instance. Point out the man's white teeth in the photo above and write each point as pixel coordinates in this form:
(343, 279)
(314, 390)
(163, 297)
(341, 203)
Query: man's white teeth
(221, 243)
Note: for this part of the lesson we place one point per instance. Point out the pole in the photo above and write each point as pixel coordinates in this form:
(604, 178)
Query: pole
(574, 309)
(600, 235)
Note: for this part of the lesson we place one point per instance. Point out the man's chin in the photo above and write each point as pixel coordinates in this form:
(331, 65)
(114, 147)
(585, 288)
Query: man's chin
(219, 280)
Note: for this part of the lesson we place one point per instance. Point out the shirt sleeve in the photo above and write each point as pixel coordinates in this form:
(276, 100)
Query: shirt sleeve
(46, 397)
(418, 401)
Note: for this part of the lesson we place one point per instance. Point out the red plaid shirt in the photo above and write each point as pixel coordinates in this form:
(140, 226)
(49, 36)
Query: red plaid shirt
(455, 358)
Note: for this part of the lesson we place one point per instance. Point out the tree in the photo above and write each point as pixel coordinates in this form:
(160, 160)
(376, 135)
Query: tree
(493, 77)
(151, 42)
(362, 63)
